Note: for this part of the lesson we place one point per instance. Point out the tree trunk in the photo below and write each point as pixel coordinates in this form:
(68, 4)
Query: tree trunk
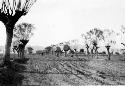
(65, 53)
(9, 36)
(88, 51)
(22, 55)
(57, 53)
(18, 53)
(96, 51)
(92, 51)
(108, 54)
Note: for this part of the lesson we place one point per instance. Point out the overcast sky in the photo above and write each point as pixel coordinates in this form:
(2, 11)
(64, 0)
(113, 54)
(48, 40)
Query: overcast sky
(63, 20)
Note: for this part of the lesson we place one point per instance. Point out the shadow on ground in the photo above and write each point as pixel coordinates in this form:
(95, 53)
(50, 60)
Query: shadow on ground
(12, 76)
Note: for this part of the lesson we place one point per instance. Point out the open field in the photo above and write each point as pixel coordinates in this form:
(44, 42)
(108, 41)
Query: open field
(50, 70)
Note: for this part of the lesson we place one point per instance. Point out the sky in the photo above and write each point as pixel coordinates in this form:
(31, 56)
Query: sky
(62, 20)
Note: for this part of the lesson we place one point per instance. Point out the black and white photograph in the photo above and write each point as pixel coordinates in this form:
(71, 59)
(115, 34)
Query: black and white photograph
(62, 42)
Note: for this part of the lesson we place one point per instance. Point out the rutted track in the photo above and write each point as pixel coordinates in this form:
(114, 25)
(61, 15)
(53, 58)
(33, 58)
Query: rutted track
(84, 72)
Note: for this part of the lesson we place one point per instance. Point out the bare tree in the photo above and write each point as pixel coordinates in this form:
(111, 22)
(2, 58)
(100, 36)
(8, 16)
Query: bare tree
(92, 38)
(122, 35)
(95, 35)
(86, 42)
(109, 40)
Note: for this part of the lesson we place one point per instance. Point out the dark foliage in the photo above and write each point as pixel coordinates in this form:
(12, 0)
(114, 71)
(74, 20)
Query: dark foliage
(66, 47)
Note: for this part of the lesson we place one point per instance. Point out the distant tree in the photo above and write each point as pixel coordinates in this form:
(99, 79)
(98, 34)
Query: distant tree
(82, 50)
(9, 15)
(23, 32)
(66, 48)
(53, 49)
(58, 51)
(123, 35)
(103, 52)
(40, 52)
(117, 53)
(86, 42)
(95, 35)
(92, 39)
(109, 40)
(48, 48)
(30, 50)
(87, 47)
(108, 48)
(123, 44)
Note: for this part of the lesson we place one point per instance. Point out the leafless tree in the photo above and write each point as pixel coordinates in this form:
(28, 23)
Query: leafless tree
(92, 38)
(109, 41)
(95, 35)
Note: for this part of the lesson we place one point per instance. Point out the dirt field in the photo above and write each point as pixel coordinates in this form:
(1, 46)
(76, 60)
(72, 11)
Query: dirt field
(50, 70)
(66, 71)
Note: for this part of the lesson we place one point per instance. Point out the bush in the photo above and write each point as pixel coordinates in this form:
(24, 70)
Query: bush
(81, 50)
(66, 48)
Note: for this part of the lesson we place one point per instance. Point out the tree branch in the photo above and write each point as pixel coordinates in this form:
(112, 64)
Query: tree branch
(12, 14)
(123, 44)
(3, 17)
